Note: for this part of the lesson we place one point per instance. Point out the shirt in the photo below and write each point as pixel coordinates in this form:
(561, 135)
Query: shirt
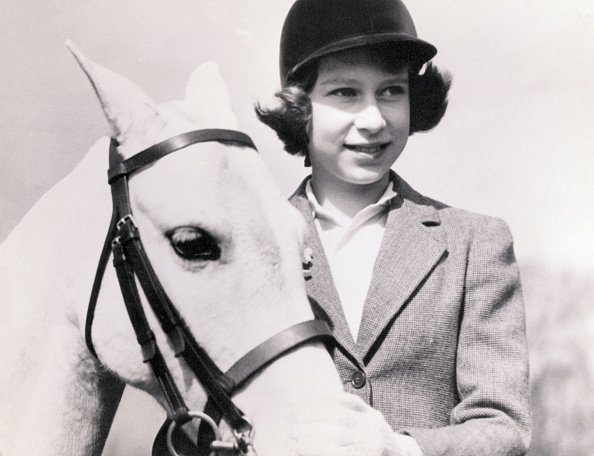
(351, 247)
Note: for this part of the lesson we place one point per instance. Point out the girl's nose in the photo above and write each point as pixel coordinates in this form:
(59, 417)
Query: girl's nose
(370, 119)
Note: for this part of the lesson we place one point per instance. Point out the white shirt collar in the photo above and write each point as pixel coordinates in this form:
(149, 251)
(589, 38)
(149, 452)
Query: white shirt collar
(342, 220)
(351, 248)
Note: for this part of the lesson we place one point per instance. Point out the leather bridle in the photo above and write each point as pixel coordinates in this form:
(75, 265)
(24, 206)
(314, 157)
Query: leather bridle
(132, 264)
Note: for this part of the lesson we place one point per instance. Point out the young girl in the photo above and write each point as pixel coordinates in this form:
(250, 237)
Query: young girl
(424, 299)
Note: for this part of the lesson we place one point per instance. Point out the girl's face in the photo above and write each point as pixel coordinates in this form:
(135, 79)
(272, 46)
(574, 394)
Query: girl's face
(360, 119)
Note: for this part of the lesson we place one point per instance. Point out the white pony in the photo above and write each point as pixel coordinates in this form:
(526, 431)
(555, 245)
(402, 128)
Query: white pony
(55, 397)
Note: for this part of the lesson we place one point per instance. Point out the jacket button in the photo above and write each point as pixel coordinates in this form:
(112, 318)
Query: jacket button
(358, 379)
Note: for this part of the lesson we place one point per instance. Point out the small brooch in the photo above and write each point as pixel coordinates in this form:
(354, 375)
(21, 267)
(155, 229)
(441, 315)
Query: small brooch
(307, 262)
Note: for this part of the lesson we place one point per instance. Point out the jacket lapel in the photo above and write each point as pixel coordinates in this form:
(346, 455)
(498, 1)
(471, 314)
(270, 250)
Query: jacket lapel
(320, 285)
(412, 245)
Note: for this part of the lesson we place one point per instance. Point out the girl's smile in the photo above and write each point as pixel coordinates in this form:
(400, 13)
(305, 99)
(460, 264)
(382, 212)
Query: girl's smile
(367, 148)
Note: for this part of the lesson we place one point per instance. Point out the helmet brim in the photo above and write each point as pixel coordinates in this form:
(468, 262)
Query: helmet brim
(410, 49)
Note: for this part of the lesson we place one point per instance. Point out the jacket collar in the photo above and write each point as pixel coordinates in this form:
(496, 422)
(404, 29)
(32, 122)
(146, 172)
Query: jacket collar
(412, 245)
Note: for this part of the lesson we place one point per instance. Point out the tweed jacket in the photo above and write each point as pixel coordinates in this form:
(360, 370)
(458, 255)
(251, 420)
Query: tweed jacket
(441, 349)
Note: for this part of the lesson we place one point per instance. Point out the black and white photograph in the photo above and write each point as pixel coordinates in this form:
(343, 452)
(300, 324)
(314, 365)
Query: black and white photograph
(296, 228)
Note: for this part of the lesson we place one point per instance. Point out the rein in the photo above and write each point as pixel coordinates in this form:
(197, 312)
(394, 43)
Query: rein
(131, 264)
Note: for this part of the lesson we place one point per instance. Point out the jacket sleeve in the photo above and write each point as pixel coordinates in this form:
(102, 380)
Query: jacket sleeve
(493, 416)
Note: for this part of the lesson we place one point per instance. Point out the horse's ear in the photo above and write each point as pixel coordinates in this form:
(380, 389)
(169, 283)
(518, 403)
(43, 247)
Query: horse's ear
(126, 106)
(207, 97)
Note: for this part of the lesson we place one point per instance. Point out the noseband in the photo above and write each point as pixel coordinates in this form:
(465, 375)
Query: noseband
(131, 263)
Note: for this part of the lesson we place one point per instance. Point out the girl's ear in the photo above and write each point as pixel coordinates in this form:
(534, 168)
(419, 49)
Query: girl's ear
(309, 128)
(308, 131)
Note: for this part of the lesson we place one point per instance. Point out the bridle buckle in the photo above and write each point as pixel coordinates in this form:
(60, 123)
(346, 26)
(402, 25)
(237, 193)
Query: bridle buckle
(126, 219)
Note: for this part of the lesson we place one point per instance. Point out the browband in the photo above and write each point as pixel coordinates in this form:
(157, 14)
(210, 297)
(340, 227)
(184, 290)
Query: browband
(153, 153)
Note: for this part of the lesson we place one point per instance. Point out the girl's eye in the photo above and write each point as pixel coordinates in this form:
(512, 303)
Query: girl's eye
(194, 244)
(344, 92)
(393, 91)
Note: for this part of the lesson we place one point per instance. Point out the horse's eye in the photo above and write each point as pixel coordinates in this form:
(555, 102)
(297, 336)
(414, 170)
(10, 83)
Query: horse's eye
(194, 244)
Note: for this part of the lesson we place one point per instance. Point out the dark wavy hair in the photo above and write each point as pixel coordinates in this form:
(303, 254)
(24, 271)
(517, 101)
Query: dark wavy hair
(428, 94)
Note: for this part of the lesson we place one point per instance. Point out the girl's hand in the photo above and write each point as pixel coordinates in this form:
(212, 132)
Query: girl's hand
(344, 425)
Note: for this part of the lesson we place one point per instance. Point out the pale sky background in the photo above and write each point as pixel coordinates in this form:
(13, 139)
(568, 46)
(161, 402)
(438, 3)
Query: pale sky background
(516, 141)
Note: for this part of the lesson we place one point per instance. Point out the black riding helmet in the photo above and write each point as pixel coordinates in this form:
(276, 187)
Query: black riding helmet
(314, 28)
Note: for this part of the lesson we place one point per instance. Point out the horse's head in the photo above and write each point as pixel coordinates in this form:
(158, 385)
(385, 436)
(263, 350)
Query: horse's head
(224, 243)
